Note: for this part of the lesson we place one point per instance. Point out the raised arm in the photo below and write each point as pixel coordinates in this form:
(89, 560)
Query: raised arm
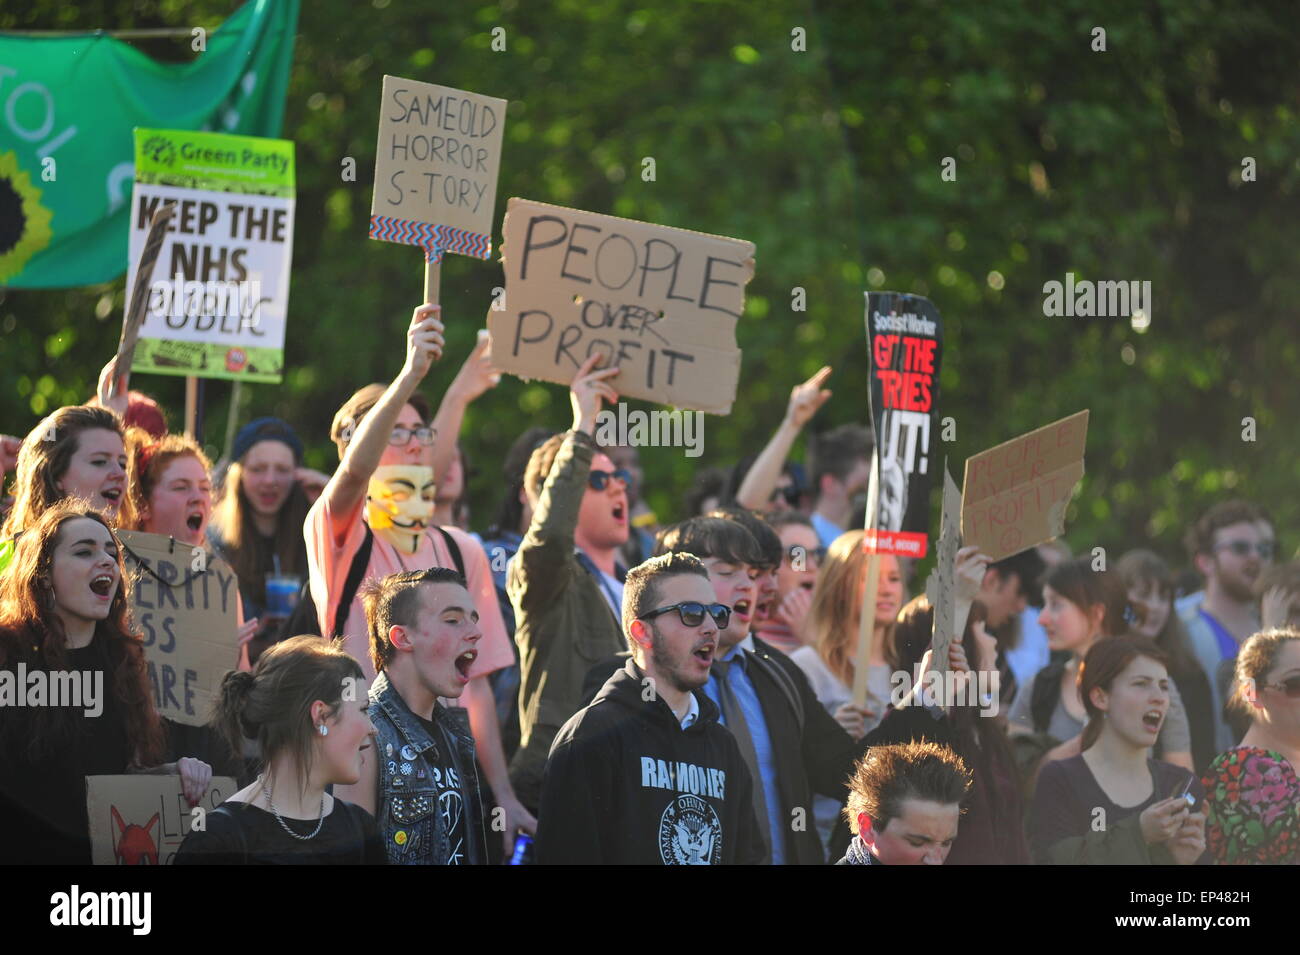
(424, 342)
(475, 377)
(756, 490)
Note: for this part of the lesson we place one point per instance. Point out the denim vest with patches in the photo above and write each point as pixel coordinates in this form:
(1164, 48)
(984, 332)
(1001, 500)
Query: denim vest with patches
(410, 818)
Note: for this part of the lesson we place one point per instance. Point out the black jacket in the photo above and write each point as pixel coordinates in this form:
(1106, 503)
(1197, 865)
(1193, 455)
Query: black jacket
(625, 784)
(813, 753)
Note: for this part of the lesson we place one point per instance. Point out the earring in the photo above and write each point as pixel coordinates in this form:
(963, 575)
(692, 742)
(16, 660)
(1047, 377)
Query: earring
(324, 730)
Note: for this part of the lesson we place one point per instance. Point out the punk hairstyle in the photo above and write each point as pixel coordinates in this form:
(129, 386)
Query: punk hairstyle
(273, 703)
(888, 776)
(395, 601)
(713, 537)
(641, 591)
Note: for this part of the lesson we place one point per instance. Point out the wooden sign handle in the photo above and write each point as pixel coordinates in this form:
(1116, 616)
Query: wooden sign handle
(433, 280)
(140, 295)
(867, 622)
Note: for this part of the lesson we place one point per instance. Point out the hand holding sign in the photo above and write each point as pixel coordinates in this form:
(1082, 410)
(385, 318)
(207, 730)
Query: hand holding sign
(424, 341)
(586, 392)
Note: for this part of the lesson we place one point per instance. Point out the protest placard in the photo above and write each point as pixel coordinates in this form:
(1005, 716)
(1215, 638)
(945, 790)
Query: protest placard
(184, 600)
(658, 302)
(436, 165)
(940, 588)
(1014, 495)
(141, 819)
(905, 347)
(218, 302)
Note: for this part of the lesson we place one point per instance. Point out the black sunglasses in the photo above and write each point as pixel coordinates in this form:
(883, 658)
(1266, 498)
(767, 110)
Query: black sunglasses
(1243, 548)
(691, 613)
(599, 479)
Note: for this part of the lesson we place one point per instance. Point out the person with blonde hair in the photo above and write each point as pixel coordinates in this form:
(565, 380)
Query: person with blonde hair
(834, 621)
(1253, 793)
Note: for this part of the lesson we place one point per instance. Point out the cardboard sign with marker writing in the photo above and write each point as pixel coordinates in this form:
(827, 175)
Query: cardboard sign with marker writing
(940, 588)
(185, 602)
(436, 166)
(661, 303)
(1014, 496)
(141, 819)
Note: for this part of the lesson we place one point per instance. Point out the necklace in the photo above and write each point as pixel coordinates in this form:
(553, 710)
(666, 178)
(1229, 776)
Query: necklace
(266, 791)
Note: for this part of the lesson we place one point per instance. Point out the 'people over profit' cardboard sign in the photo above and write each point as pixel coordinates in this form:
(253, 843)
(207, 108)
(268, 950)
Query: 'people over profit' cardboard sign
(660, 303)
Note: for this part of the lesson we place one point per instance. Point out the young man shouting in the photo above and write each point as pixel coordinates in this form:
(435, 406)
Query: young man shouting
(646, 775)
(419, 780)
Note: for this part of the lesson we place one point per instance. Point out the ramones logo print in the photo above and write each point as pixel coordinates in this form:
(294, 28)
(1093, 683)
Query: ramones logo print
(690, 833)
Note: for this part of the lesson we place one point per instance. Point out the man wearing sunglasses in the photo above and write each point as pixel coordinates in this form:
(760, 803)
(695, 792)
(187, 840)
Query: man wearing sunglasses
(565, 582)
(1231, 545)
(645, 775)
(791, 744)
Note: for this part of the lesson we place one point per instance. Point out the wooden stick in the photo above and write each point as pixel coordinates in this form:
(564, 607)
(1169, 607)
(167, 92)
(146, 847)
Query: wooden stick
(191, 406)
(140, 295)
(232, 416)
(432, 281)
(867, 623)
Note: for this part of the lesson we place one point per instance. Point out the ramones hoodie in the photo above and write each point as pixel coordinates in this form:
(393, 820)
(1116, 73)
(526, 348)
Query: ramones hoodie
(626, 785)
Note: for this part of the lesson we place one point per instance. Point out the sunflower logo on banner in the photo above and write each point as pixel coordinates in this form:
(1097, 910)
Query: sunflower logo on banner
(24, 222)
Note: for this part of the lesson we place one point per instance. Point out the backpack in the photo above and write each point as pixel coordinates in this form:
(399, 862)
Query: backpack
(305, 619)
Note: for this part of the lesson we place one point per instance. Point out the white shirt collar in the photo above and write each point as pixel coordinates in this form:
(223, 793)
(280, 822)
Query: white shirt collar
(692, 711)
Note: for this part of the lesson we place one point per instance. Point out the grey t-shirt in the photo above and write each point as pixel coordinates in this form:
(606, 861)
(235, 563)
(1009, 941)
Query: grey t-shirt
(1175, 736)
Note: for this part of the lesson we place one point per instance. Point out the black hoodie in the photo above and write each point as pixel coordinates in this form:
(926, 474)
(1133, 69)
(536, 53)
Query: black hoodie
(626, 785)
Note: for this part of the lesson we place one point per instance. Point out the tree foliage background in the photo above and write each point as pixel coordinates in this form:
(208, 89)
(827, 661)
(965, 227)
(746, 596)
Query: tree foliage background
(1118, 165)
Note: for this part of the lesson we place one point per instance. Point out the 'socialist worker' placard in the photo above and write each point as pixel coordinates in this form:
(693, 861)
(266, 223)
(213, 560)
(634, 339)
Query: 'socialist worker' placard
(436, 165)
(905, 345)
(220, 293)
(660, 303)
(184, 601)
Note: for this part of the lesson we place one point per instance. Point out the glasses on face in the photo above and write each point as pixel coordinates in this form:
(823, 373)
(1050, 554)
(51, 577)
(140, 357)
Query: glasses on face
(797, 554)
(692, 614)
(790, 493)
(1243, 548)
(402, 436)
(1290, 686)
(598, 480)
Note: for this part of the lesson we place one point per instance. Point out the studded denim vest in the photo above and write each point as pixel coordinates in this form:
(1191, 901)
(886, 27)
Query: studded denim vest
(410, 818)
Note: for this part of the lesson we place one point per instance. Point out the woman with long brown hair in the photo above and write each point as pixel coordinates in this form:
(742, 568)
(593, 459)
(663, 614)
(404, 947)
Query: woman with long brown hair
(1150, 586)
(1112, 804)
(1081, 607)
(64, 614)
(73, 452)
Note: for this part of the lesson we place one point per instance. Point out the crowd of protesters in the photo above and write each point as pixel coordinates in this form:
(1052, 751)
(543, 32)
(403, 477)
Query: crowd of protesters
(585, 684)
